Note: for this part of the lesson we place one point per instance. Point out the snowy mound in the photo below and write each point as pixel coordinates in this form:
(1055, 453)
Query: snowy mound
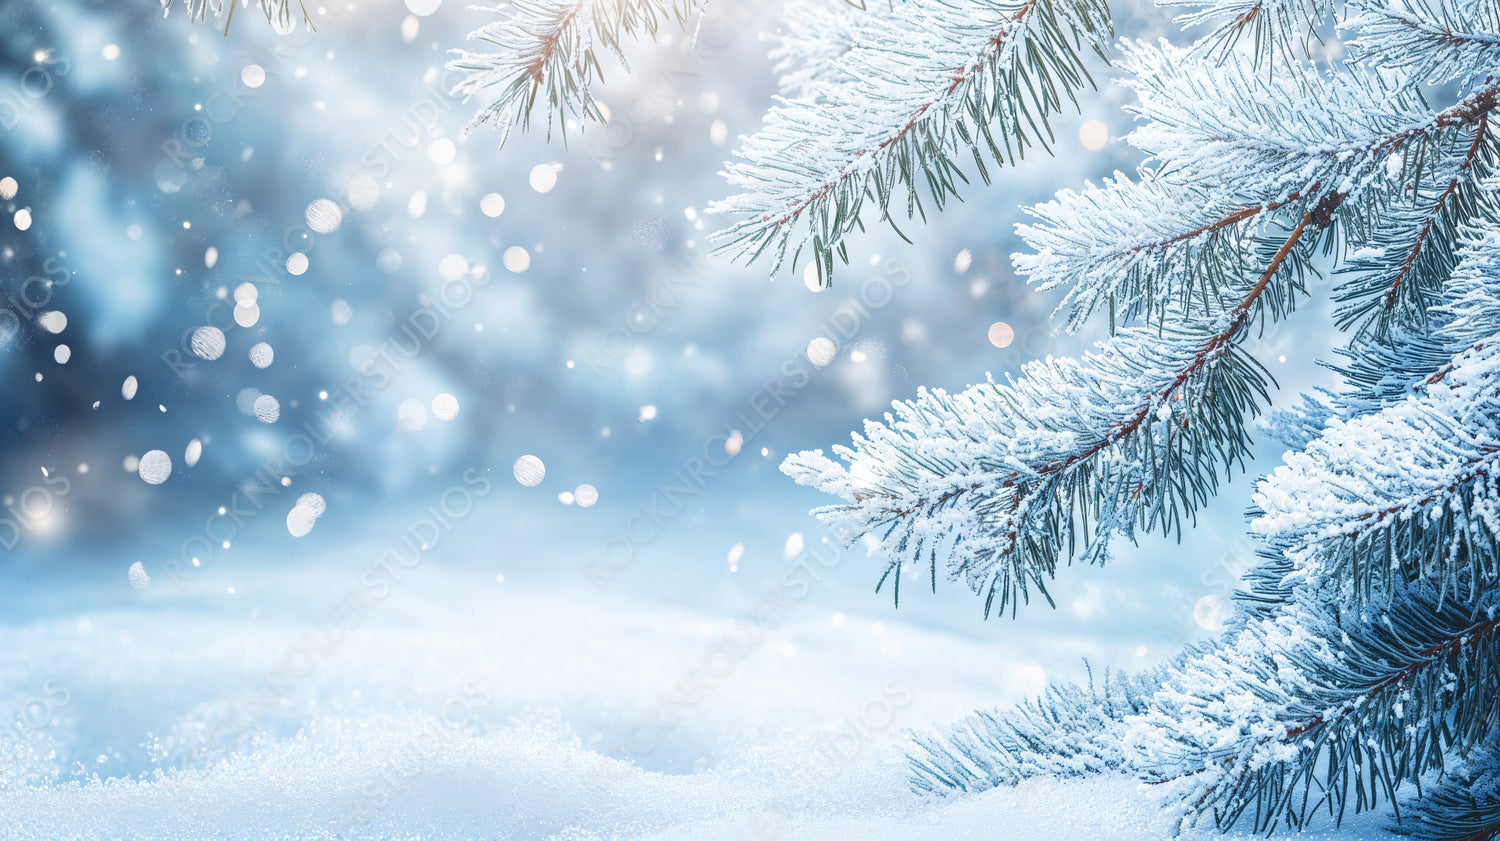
(454, 712)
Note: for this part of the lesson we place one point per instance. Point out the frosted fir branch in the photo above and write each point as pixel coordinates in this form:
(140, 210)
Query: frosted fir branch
(1471, 311)
(278, 12)
(1230, 127)
(1284, 29)
(1015, 477)
(1297, 425)
(549, 49)
(1398, 272)
(1410, 355)
(1070, 731)
(1317, 710)
(1433, 41)
(1265, 591)
(1143, 248)
(928, 85)
(1240, 154)
(1412, 491)
(1464, 803)
(814, 37)
(1009, 480)
(1379, 372)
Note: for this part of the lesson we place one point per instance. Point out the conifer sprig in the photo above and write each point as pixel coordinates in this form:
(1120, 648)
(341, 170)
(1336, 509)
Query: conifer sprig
(1069, 730)
(1265, 30)
(922, 89)
(1399, 273)
(1463, 805)
(1436, 41)
(1409, 492)
(549, 51)
(1020, 477)
(279, 13)
(1319, 710)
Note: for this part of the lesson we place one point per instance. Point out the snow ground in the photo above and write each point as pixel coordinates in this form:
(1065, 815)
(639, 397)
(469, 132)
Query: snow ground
(459, 711)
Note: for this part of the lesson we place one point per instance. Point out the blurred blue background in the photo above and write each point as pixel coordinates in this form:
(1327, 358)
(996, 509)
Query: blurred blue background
(163, 164)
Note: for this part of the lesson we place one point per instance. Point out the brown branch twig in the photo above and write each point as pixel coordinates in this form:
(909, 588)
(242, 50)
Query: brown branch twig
(1219, 224)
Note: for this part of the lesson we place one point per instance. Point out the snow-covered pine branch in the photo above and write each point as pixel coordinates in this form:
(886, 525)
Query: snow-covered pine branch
(1436, 41)
(278, 12)
(1412, 491)
(1232, 127)
(1070, 731)
(1464, 803)
(1300, 709)
(1317, 708)
(1471, 312)
(925, 86)
(814, 37)
(1295, 426)
(550, 49)
(1380, 371)
(1284, 29)
(1145, 248)
(1008, 480)
(1387, 368)
(1239, 157)
(1400, 269)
